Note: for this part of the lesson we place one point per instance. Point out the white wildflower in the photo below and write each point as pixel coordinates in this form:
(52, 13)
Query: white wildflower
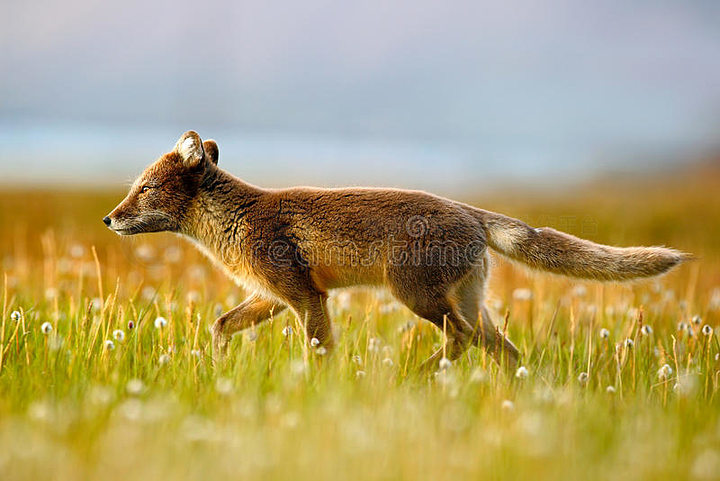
(321, 351)
(583, 378)
(508, 405)
(646, 330)
(604, 333)
(287, 331)
(160, 322)
(119, 335)
(445, 363)
(46, 328)
(697, 320)
(360, 374)
(707, 330)
(96, 303)
(522, 372)
(16, 316)
(629, 343)
(388, 362)
(664, 372)
(109, 345)
(314, 342)
(164, 359)
(357, 360)
(610, 389)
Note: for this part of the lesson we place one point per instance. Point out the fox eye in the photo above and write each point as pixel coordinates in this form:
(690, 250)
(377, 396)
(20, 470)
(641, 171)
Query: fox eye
(145, 188)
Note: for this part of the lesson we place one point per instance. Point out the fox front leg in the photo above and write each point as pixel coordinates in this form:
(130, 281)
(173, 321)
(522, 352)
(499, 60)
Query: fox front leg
(253, 310)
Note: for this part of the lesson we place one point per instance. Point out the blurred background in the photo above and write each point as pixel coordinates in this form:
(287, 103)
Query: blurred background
(451, 96)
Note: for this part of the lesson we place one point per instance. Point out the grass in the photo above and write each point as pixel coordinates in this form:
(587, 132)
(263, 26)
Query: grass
(152, 406)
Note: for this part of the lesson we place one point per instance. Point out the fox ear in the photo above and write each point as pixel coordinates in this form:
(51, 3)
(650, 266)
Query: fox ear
(190, 149)
(211, 151)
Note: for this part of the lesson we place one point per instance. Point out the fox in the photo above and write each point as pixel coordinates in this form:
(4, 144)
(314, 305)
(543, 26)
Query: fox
(290, 247)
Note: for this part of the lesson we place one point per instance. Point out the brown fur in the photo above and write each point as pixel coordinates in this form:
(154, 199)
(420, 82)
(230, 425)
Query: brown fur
(292, 246)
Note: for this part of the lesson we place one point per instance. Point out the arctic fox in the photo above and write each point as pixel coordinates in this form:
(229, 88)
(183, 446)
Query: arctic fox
(291, 246)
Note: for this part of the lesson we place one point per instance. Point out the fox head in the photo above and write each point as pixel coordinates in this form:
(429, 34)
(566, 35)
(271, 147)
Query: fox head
(160, 197)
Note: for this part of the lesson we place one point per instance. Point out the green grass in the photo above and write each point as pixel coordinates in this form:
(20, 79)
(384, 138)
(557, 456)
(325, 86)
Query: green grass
(155, 407)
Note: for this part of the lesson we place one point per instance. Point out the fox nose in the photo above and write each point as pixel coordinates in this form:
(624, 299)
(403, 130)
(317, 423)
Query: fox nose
(107, 221)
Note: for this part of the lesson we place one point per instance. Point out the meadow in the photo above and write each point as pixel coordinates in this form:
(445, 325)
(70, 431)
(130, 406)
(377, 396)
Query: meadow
(105, 367)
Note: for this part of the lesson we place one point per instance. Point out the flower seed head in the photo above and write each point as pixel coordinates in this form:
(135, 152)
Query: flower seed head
(707, 330)
(629, 343)
(583, 378)
(314, 342)
(46, 328)
(321, 351)
(664, 372)
(109, 345)
(682, 326)
(521, 372)
(445, 364)
(196, 353)
(287, 331)
(604, 333)
(646, 330)
(357, 360)
(119, 335)
(610, 389)
(697, 320)
(16, 316)
(164, 359)
(160, 322)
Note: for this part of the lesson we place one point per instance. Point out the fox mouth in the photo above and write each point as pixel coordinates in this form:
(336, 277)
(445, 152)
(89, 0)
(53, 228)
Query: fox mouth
(125, 230)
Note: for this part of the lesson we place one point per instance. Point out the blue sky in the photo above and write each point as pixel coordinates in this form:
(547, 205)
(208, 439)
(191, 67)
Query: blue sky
(510, 88)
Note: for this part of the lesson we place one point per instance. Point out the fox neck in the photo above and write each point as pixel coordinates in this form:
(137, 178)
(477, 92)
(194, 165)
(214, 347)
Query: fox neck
(216, 220)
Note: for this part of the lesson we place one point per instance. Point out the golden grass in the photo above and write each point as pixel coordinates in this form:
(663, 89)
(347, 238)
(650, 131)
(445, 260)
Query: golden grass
(154, 407)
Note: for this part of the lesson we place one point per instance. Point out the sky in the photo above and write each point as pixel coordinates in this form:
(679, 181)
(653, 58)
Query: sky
(423, 92)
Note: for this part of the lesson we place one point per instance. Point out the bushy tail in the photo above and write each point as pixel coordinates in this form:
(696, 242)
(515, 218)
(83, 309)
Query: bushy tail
(554, 251)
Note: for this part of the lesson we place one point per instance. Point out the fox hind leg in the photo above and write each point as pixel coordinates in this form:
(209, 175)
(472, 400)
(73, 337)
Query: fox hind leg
(470, 293)
(437, 308)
